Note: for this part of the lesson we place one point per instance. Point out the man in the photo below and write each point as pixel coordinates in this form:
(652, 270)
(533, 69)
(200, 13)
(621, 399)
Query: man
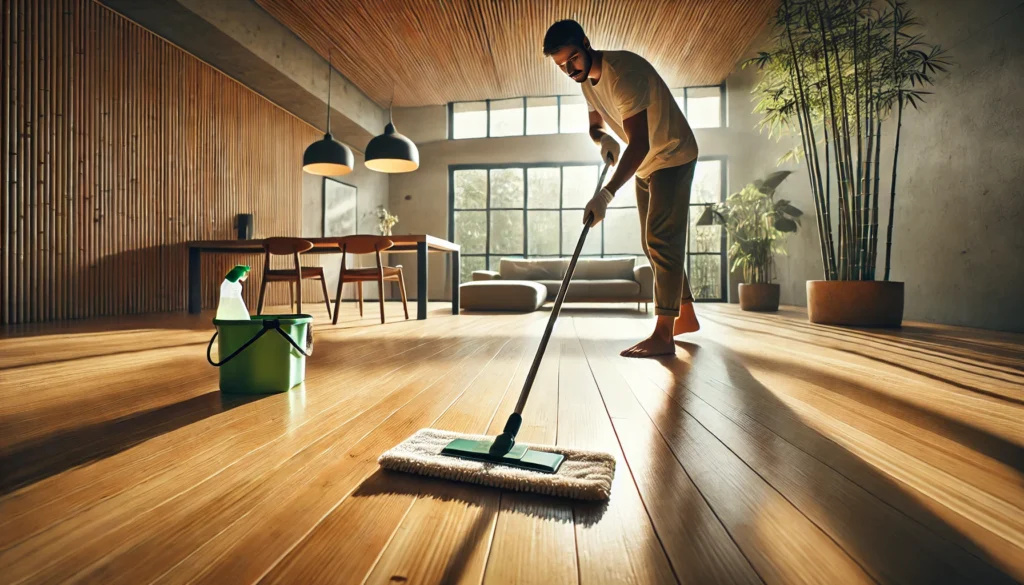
(624, 91)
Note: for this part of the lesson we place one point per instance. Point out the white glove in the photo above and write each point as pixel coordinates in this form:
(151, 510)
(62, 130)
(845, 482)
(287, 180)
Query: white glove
(598, 205)
(610, 148)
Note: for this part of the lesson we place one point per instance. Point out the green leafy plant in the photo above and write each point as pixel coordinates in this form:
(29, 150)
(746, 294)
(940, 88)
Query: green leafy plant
(835, 71)
(757, 225)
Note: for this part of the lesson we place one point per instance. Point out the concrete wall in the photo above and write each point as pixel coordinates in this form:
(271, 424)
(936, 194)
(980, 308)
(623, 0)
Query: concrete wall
(958, 241)
(245, 42)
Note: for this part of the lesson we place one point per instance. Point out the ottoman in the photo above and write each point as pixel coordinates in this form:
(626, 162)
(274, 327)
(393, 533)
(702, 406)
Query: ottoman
(502, 295)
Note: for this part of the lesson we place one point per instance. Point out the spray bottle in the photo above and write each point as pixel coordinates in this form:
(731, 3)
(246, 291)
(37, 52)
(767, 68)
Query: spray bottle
(231, 306)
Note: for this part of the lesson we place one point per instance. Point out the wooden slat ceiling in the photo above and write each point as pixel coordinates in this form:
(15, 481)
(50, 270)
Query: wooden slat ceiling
(437, 51)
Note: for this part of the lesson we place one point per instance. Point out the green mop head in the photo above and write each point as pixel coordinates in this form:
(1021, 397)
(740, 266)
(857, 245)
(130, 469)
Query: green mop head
(582, 475)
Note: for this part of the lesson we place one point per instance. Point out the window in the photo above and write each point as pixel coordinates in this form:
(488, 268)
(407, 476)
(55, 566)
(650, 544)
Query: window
(529, 211)
(567, 114)
(518, 116)
(705, 249)
(506, 117)
(469, 120)
(704, 107)
(542, 115)
(573, 114)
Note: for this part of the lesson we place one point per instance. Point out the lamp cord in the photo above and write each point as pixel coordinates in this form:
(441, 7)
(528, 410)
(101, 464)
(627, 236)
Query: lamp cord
(329, 71)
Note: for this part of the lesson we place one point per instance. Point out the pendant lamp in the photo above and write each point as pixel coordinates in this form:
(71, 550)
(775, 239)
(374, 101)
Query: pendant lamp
(328, 157)
(392, 152)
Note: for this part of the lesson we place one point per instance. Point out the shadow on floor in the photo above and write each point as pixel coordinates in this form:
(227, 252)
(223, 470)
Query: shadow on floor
(384, 482)
(36, 460)
(881, 538)
(968, 435)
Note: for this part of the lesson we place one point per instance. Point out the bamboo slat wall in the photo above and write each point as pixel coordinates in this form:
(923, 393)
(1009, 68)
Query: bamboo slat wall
(437, 51)
(118, 148)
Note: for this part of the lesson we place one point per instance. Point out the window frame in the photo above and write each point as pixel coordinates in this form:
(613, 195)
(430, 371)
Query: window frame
(722, 96)
(722, 107)
(525, 167)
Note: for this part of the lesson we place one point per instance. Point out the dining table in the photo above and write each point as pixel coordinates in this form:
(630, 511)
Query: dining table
(422, 244)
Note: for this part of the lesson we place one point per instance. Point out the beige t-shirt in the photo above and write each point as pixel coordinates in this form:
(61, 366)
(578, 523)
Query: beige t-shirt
(630, 85)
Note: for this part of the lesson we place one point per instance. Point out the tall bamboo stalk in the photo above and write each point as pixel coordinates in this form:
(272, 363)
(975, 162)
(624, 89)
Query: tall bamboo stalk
(857, 204)
(892, 194)
(811, 154)
(843, 179)
(866, 171)
(828, 167)
(874, 203)
(897, 85)
(847, 156)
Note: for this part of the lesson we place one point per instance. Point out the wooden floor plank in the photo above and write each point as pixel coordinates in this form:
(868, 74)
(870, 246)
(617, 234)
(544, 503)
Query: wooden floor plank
(615, 541)
(306, 562)
(769, 448)
(534, 540)
(66, 540)
(780, 542)
(287, 503)
(853, 517)
(36, 507)
(697, 544)
(463, 516)
(963, 495)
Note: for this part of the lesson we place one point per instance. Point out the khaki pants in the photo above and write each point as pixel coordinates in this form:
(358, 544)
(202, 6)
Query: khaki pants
(663, 200)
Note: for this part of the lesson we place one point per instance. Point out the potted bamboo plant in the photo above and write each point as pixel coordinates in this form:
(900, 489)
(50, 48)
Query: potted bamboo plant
(757, 225)
(835, 71)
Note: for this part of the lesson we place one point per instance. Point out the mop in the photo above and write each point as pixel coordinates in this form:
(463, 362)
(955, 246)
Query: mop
(500, 461)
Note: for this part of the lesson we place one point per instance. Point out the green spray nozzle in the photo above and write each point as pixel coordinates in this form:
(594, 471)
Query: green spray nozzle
(240, 272)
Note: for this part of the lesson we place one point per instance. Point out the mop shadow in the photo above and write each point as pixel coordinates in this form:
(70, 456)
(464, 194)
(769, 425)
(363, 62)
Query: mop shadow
(386, 482)
(488, 500)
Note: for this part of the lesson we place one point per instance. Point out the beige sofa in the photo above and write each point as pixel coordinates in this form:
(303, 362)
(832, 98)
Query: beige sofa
(595, 280)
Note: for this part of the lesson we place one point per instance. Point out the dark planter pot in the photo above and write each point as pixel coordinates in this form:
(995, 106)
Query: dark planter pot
(857, 303)
(759, 297)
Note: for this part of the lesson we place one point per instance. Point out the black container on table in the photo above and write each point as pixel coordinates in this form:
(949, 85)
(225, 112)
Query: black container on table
(244, 226)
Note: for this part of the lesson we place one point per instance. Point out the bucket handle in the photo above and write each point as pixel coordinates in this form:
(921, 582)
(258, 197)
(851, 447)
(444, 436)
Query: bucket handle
(268, 324)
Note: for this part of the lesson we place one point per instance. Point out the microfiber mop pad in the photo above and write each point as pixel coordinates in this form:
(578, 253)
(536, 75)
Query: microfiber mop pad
(584, 475)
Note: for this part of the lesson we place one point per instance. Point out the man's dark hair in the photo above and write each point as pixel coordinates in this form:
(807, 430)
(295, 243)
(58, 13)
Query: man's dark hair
(563, 34)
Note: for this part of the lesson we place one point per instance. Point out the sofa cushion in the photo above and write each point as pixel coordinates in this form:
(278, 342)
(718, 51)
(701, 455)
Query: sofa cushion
(603, 290)
(533, 269)
(502, 295)
(604, 269)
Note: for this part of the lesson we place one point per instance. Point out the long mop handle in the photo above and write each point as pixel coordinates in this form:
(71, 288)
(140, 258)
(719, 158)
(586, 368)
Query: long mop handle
(503, 443)
(559, 298)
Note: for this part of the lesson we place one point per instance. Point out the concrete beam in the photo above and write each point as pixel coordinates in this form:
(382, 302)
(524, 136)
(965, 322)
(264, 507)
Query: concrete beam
(245, 42)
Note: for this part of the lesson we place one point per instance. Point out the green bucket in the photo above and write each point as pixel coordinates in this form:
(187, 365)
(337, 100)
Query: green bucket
(264, 355)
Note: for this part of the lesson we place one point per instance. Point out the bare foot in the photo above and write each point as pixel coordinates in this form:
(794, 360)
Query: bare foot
(687, 321)
(650, 347)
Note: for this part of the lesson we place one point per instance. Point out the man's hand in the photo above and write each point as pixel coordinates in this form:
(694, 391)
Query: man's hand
(610, 149)
(598, 205)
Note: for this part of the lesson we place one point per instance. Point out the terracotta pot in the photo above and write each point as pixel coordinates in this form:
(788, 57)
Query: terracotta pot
(759, 297)
(859, 303)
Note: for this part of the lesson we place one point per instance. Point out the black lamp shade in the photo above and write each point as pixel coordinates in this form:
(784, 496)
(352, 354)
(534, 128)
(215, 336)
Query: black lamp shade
(392, 152)
(328, 157)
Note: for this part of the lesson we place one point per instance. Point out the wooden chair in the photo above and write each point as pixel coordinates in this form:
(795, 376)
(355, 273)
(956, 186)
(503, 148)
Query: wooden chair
(292, 247)
(380, 273)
